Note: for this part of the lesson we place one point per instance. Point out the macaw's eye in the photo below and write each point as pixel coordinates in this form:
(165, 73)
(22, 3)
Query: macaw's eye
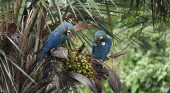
(69, 33)
(101, 37)
(68, 30)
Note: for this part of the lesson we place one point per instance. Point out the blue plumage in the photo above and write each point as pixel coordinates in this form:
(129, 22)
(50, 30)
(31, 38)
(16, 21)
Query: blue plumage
(63, 29)
(56, 38)
(101, 45)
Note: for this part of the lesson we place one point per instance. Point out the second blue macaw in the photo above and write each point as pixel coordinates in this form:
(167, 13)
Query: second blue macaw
(57, 37)
(101, 45)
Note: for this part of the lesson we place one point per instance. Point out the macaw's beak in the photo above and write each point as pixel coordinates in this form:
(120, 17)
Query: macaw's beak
(101, 37)
(69, 33)
(96, 41)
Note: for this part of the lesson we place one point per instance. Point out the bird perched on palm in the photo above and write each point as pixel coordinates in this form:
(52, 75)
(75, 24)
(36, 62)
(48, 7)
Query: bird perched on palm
(57, 37)
(101, 45)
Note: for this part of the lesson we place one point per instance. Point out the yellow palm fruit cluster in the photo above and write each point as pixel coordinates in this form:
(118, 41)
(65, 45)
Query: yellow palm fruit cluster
(78, 63)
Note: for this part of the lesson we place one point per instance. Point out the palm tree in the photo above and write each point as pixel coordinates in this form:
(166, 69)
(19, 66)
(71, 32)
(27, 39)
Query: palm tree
(26, 23)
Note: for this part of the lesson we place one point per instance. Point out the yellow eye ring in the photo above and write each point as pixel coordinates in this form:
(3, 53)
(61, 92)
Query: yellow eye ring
(101, 37)
(68, 31)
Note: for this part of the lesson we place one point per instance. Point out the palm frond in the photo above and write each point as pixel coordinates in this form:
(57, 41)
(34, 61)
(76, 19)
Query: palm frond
(22, 35)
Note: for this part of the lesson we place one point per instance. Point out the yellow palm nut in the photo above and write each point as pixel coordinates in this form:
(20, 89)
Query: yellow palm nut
(83, 57)
(72, 54)
(76, 58)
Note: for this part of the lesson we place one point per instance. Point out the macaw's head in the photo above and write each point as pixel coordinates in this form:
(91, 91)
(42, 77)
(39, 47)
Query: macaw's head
(67, 29)
(100, 36)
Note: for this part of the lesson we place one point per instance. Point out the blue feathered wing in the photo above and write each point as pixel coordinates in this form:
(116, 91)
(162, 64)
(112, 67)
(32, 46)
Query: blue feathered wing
(100, 51)
(53, 40)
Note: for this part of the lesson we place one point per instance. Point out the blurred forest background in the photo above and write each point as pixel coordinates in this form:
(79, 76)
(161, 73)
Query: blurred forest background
(141, 28)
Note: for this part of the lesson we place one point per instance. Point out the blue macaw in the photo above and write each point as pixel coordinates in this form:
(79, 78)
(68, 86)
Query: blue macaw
(56, 38)
(101, 45)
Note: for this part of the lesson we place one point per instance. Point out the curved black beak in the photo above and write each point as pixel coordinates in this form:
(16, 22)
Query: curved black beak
(96, 41)
(69, 33)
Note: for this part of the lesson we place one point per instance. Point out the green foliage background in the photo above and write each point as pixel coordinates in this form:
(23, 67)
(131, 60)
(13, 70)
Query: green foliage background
(148, 58)
(142, 27)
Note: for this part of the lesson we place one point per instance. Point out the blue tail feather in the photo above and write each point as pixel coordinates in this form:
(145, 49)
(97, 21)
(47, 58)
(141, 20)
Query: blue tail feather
(42, 54)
